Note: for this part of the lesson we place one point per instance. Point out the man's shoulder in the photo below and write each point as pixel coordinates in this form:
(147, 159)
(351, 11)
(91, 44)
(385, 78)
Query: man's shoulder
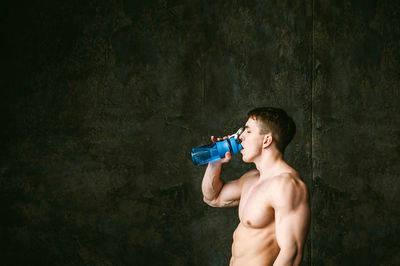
(252, 174)
(288, 186)
(286, 178)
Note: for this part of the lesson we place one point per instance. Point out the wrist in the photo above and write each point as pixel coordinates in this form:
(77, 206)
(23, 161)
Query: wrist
(215, 164)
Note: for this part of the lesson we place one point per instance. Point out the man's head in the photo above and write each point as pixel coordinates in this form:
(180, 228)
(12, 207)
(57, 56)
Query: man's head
(276, 123)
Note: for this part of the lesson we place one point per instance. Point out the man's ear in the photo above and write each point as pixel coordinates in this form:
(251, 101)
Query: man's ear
(267, 140)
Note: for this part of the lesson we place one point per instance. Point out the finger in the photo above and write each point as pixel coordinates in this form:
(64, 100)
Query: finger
(227, 157)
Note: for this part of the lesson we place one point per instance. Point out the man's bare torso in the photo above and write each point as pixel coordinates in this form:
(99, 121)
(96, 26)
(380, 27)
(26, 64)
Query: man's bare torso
(254, 240)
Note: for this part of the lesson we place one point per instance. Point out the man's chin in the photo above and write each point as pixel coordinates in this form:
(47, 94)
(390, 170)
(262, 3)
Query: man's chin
(244, 159)
(247, 159)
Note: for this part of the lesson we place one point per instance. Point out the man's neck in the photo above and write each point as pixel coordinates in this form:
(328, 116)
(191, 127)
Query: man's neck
(269, 163)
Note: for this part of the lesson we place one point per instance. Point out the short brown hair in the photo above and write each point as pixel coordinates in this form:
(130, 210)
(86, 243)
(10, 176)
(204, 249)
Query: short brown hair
(276, 121)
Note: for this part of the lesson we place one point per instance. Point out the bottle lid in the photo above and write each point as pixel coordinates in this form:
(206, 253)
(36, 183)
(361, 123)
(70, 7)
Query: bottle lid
(236, 147)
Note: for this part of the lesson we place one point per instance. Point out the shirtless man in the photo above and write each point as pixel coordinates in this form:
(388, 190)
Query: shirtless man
(273, 201)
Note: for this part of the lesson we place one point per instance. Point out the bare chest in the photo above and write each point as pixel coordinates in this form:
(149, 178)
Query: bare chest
(255, 208)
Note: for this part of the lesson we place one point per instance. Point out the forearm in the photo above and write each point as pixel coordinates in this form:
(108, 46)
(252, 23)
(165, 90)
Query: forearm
(286, 257)
(212, 184)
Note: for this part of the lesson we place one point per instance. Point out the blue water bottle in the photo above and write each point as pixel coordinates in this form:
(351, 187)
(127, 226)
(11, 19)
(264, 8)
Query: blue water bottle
(216, 151)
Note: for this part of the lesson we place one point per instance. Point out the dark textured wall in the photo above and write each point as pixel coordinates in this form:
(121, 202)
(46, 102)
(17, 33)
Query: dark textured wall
(356, 130)
(102, 101)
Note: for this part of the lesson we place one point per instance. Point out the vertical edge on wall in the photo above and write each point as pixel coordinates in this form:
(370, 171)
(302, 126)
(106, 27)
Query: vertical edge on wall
(312, 120)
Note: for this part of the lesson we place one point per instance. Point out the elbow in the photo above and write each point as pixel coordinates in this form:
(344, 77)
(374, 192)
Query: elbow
(289, 256)
(212, 203)
(298, 257)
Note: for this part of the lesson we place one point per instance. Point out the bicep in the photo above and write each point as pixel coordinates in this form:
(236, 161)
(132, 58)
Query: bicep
(229, 195)
(291, 226)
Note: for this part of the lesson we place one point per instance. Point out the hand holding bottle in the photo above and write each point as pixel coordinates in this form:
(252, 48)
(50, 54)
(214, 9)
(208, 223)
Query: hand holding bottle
(227, 157)
(218, 151)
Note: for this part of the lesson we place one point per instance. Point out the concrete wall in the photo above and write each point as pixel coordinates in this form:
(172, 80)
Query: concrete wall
(102, 101)
(356, 133)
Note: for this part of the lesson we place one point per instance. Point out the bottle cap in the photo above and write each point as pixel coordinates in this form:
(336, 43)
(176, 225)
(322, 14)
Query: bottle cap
(236, 147)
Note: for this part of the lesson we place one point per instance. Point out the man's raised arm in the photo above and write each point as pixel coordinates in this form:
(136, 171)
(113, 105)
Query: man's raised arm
(216, 192)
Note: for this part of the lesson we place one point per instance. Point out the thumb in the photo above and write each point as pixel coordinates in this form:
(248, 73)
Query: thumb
(227, 157)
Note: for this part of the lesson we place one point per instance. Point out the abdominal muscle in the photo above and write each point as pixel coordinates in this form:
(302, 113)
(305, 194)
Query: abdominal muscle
(254, 246)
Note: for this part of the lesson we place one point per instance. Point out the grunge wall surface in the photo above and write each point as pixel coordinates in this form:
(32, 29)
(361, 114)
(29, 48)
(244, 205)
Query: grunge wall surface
(101, 102)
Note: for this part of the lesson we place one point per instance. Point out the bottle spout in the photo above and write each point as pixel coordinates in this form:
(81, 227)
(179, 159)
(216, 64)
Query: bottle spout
(237, 134)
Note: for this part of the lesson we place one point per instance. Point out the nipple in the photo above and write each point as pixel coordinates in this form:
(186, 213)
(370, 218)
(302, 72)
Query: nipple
(248, 222)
